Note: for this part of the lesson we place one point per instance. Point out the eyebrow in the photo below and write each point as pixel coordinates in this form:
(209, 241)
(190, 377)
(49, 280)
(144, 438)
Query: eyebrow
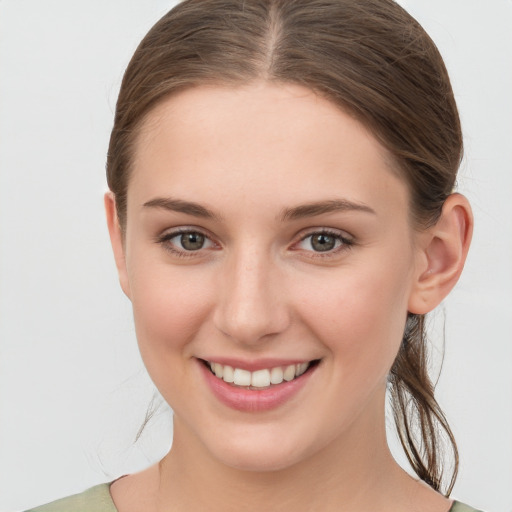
(179, 205)
(321, 207)
(295, 213)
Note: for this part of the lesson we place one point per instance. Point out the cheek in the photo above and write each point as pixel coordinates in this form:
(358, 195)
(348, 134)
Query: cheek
(359, 315)
(170, 306)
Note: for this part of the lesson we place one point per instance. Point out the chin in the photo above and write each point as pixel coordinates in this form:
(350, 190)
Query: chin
(258, 461)
(262, 453)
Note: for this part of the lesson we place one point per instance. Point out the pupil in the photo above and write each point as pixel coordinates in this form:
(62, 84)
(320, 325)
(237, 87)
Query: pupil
(323, 243)
(192, 241)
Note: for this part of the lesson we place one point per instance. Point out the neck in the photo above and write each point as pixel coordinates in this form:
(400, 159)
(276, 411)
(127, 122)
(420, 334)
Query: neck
(354, 472)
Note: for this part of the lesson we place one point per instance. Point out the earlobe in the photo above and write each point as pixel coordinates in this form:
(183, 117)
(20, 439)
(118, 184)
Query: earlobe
(116, 239)
(446, 245)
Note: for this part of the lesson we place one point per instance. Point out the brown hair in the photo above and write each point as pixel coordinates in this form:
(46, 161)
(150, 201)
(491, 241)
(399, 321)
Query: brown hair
(373, 60)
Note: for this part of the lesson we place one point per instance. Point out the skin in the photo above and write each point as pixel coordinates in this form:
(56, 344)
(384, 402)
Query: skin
(258, 289)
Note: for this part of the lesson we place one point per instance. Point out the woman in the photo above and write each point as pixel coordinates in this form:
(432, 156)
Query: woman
(282, 217)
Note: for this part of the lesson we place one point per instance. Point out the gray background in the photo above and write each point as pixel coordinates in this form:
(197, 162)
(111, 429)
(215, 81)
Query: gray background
(73, 391)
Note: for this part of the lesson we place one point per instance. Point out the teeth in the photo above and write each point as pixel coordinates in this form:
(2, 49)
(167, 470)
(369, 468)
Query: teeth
(276, 375)
(301, 368)
(228, 374)
(242, 377)
(260, 378)
(218, 369)
(289, 372)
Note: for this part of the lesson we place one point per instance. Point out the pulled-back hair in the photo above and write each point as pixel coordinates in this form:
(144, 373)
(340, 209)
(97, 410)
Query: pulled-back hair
(368, 57)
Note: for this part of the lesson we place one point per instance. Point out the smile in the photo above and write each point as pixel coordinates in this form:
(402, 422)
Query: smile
(258, 386)
(258, 379)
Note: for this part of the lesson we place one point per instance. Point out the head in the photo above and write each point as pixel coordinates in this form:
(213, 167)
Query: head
(374, 65)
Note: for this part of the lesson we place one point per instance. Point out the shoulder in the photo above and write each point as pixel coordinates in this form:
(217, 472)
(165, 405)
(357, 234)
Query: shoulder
(461, 507)
(95, 499)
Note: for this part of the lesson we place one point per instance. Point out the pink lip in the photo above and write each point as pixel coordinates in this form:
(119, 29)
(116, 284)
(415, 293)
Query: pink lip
(247, 400)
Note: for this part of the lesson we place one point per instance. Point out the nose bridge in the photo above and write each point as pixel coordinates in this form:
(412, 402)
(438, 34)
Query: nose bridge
(252, 303)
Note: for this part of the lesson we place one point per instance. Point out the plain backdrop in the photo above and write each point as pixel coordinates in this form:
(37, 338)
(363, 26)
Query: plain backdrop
(73, 391)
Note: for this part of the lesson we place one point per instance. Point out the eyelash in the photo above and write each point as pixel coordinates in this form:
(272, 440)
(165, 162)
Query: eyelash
(165, 239)
(344, 242)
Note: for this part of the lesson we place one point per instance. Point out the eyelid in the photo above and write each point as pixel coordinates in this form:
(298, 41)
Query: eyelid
(165, 237)
(347, 241)
(322, 230)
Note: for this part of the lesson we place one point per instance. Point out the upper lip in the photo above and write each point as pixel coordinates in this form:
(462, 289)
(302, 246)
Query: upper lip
(255, 364)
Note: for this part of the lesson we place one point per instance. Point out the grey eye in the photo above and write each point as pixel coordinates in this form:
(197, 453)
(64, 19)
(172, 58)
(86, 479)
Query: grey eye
(192, 241)
(322, 242)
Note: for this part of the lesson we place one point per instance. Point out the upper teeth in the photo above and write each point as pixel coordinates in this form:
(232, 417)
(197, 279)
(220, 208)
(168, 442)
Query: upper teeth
(259, 378)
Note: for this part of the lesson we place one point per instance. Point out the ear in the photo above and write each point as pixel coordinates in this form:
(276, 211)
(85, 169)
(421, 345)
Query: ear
(116, 239)
(443, 251)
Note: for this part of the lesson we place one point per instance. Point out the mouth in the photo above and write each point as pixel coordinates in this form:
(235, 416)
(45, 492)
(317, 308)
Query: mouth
(264, 378)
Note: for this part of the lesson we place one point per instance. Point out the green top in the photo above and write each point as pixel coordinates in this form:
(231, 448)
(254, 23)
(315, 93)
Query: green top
(95, 499)
(98, 499)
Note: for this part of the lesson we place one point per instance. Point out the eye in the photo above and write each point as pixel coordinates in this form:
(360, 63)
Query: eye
(324, 242)
(191, 241)
(185, 241)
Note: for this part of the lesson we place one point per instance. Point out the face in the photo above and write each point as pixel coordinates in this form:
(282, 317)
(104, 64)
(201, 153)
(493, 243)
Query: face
(270, 260)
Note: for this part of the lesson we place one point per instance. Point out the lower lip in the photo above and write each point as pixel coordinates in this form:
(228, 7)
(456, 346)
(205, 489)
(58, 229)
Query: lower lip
(256, 400)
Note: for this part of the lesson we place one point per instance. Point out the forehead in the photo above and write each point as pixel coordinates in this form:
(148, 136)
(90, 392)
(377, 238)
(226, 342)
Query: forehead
(254, 140)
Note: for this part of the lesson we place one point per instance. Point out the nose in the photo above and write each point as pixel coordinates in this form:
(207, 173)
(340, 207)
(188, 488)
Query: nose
(252, 304)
